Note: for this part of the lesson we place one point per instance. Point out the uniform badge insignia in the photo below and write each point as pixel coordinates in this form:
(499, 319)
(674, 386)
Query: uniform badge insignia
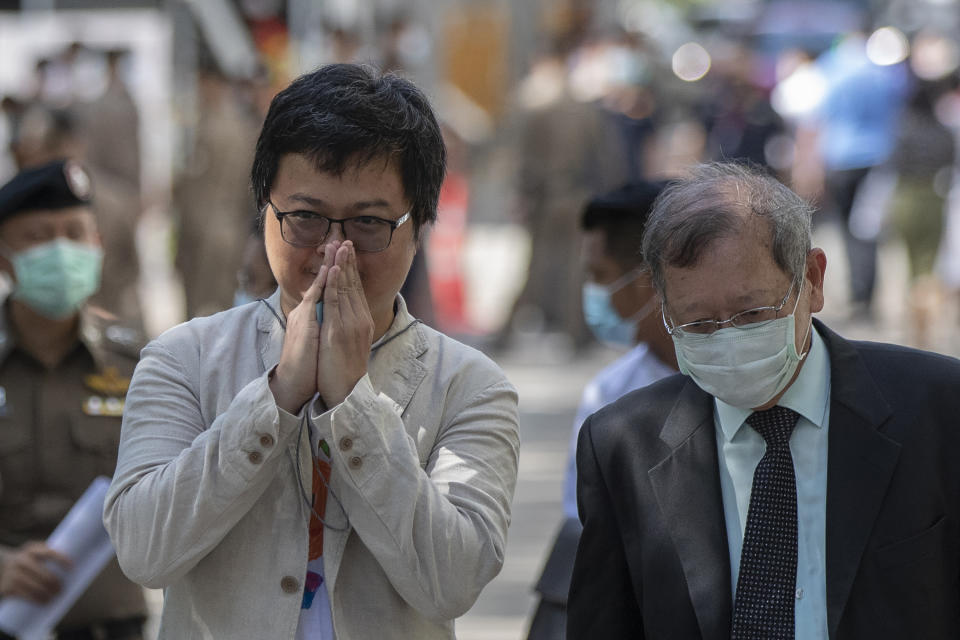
(108, 383)
(99, 406)
(77, 180)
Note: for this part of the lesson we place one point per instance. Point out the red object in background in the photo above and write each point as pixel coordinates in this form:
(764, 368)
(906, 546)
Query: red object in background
(444, 256)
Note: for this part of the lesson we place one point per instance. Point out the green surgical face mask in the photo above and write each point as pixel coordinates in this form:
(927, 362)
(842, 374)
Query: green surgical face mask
(56, 278)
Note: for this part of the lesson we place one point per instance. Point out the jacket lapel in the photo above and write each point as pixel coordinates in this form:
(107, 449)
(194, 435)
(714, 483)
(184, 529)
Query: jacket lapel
(687, 487)
(395, 367)
(861, 462)
(270, 332)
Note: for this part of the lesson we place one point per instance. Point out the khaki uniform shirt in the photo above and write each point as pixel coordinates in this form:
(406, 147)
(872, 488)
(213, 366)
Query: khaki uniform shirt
(59, 429)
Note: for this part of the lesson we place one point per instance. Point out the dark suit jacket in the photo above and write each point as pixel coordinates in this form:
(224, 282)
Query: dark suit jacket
(653, 560)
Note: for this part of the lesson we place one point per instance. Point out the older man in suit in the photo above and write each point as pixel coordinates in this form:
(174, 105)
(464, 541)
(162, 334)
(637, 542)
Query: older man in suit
(792, 483)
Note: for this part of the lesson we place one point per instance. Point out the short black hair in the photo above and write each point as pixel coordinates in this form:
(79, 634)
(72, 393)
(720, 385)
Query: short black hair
(342, 115)
(621, 215)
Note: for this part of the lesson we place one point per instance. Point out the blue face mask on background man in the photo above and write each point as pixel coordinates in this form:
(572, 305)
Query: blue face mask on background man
(56, 278)
(602, 317)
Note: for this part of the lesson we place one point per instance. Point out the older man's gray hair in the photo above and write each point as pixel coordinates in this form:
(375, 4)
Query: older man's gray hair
(716, 200)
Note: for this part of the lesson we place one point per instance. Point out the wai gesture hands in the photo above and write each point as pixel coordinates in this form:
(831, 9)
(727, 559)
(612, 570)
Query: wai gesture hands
(327, 358)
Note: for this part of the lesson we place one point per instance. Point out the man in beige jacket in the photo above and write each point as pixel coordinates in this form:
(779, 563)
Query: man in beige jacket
(350, 478)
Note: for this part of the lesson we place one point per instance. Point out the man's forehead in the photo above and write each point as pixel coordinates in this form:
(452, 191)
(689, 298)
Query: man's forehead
(350, 166)
(736, 273)
(705, 295)
(303, 181)
(47, 217)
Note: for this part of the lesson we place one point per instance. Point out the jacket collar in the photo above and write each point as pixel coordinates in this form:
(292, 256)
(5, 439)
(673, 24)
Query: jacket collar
(395, 366)
(860, 465)
(271, 327)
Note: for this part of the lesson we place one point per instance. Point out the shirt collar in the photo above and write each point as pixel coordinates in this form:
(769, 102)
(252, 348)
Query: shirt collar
(808, 395)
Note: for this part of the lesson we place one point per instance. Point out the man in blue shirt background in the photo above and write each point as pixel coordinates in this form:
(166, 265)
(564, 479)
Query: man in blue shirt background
(622, 310)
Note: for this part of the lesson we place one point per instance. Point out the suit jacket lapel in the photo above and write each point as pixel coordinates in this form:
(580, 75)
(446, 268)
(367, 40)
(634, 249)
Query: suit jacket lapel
(687, 486)
(861, 462)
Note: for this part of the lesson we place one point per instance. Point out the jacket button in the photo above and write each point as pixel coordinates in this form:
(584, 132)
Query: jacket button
(266, 440)
(356, 462)
(289, 584)
(346, 444)
(254, 457)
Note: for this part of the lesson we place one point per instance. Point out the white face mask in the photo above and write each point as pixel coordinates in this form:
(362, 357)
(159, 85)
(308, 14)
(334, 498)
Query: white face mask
(744, 367)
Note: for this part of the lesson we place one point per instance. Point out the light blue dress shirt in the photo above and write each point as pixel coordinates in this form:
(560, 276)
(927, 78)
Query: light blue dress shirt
(740, 448)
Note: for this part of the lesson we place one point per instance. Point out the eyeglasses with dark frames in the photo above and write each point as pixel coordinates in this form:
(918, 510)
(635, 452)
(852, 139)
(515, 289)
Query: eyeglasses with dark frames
(368, 234)
(756, 317)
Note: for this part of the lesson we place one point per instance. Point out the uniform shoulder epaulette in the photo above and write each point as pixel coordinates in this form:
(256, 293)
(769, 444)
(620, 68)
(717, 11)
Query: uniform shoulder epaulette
(103, 330)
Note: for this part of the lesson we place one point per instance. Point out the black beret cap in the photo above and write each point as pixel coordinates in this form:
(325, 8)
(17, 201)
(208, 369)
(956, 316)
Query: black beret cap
(56, 185)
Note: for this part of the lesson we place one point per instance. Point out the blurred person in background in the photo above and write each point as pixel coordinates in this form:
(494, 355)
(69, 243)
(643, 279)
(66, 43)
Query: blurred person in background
(947, 266)
(923, 160)
(853, 130)
(567, 150)
(63, 377)
(631, 100)
(48, 123)
(621, 308)
(737, 116)
(42, 134)
(289, 470)
(212, 196)
(80, 108)
(110, 130)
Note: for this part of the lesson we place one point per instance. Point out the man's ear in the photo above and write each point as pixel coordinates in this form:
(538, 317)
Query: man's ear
(816, 269)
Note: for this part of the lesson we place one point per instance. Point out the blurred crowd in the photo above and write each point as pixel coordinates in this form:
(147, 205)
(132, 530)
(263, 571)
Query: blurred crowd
(864, 126)
(78, 106)
(860, 117)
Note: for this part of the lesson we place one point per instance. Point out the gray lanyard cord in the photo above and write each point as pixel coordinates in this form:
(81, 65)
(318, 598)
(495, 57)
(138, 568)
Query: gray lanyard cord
(303, 492)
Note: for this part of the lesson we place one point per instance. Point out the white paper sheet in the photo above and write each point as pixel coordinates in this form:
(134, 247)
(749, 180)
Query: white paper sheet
(81, 536)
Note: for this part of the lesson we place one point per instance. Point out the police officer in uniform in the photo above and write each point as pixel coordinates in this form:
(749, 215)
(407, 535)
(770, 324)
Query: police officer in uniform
(64, 371)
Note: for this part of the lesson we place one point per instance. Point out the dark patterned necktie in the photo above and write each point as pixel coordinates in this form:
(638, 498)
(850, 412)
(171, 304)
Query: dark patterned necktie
(766, 586)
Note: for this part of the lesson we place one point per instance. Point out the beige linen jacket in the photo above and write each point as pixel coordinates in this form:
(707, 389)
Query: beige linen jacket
(207, 505)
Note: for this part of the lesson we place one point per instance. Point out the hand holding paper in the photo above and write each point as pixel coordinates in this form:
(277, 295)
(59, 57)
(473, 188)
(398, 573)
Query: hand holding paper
(58, 571)
(26, 573)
